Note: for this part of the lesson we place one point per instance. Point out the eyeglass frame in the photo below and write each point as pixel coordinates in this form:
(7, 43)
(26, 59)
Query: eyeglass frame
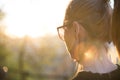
(69, 24)
(58, 29)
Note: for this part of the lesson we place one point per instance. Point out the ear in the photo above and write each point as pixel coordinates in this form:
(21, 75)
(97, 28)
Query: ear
(79, 30)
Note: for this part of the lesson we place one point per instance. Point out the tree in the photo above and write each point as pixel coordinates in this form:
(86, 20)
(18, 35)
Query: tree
(3, 50)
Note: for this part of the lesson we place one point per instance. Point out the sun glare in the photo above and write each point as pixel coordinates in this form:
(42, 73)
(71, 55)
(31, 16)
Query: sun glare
(33, 17)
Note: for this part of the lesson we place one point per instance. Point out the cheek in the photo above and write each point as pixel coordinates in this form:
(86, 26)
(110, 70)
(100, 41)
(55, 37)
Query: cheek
(75, 47)
(70, 44)
(76, 50)
(69, 40)
(79, 51)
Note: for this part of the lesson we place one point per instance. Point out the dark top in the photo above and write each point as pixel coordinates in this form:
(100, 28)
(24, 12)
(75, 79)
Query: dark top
(114, 75)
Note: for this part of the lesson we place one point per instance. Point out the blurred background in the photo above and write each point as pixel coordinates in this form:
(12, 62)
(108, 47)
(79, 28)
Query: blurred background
(30, 48)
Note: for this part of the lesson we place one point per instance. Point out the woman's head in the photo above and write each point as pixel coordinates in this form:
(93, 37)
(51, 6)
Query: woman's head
(94, 16)
(85, 21)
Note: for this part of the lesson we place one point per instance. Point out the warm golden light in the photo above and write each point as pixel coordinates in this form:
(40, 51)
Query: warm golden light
(33, 17)
(88, 55)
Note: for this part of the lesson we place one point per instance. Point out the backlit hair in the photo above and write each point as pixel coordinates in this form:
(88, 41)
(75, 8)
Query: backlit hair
(116, 25)
(94, 15)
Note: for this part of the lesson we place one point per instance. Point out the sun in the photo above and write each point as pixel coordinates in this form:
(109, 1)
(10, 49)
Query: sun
(35, 17)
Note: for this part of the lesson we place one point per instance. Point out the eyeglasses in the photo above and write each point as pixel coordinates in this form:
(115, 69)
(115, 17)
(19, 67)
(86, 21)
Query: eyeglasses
(61, 31)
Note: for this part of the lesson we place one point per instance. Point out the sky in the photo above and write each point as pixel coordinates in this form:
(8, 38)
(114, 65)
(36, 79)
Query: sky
(33, 17)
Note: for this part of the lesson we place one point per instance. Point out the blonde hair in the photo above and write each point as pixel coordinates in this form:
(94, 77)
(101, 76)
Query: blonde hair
(116, 25)
(93, 15)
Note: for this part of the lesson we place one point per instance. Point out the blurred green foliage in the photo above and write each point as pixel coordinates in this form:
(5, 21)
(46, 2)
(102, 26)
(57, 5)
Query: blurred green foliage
(42, 58)
(36, 59)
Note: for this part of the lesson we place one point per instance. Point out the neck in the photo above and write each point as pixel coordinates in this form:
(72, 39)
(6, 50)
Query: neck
(97, 61)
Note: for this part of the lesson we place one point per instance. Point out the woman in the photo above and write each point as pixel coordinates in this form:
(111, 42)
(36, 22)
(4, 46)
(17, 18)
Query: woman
(86, 32)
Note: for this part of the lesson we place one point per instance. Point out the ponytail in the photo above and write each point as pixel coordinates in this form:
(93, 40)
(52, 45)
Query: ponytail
(116, 25)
